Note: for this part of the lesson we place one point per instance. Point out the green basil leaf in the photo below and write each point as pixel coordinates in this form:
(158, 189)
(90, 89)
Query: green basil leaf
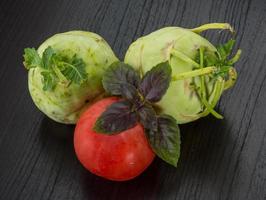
(118, 117)
(31, 58)
(148, 118)
(117, 75)
(165, 141)
(156, 82)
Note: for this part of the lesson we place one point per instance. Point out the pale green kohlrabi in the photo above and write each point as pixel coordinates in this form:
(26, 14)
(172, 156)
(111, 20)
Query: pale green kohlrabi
(201, 71)
(52, 86)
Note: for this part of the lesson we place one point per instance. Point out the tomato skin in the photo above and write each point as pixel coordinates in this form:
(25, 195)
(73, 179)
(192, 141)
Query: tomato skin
(116, 157)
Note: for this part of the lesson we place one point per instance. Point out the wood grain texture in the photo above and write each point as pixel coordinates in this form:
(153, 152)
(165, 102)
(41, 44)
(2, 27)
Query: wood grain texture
(221, 159)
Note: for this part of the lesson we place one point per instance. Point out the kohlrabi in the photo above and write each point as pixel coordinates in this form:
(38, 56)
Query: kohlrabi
(200, 71)
(65, 73)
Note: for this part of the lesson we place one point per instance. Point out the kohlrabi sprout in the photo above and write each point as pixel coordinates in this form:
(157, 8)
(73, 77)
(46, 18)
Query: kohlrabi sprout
(200, 71)
(65, 73)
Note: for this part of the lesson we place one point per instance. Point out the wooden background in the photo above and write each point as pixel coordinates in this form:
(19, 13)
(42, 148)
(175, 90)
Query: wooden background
(221, 159)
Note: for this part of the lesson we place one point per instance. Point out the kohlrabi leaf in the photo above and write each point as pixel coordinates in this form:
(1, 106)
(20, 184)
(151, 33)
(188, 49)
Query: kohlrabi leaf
(49, 80)
(74, 70)
(147, 117)
(55, 67)
(31, 58)
(47, 57)
(210, 60)
(116, 118)
(225, 50)
(156, 82)
(118, 74)
(165, 141)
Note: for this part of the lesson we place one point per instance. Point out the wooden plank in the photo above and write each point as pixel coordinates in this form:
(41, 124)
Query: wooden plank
(221, 159)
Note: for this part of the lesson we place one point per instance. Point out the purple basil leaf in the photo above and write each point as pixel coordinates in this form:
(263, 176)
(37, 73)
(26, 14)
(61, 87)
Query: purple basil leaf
(148, 118)
(156, 82)
(130, 93)
(117, 75)
(116, 118)
(165, 141)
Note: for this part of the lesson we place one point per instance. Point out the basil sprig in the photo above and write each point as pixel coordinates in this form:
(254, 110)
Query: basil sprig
(139, 96)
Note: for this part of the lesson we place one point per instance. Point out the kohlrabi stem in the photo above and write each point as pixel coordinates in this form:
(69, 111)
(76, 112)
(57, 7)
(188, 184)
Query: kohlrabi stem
(218, 88)
(236, 57)
(202, 78)
(209, 107)
(213, 26)
(232, 78)
(202, 94)
(194, 73)
(59, 74)
(184, 57)
(211, 110)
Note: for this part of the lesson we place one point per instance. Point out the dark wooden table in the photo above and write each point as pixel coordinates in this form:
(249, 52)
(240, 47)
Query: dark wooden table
(221, 159)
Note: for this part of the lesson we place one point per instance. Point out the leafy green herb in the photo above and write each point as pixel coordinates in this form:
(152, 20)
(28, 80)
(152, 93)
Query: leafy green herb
(223, 62)
(225, 49)
(221, 58)
(47, 58)
(139, 96)
(209, 59)
(31, 58)
(49, 80)
(74, 70)
(55, 67)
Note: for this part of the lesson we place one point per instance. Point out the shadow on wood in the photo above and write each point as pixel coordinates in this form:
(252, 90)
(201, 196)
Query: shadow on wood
(203, 160)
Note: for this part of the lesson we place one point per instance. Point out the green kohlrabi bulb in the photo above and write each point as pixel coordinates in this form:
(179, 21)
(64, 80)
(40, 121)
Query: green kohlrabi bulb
(200, 71)
(67, 99)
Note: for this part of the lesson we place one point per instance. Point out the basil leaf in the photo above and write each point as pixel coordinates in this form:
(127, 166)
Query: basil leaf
(118, 74)
(148, 118)
(166, 141)
(31, 58)
(116, 118)
(129, 92)
(156, 82)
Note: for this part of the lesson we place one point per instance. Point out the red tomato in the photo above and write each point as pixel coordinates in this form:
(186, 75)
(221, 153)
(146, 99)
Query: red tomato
(117, 157)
